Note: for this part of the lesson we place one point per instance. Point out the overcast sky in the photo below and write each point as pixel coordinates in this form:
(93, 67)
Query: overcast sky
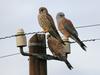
(23, 14)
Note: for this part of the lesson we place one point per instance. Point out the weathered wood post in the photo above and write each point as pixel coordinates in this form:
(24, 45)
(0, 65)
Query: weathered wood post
(37, 44)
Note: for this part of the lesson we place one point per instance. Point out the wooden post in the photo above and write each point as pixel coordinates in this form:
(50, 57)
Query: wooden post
(37, 44)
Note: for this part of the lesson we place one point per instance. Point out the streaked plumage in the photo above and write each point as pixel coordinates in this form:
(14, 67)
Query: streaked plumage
(47, 23)
(67, 29)
(58, 50)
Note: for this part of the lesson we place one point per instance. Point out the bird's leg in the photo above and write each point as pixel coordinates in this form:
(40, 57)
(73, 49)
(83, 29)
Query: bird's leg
(66, 55)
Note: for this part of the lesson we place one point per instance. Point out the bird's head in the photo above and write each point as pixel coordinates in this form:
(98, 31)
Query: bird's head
(43, 10)
(60, 16)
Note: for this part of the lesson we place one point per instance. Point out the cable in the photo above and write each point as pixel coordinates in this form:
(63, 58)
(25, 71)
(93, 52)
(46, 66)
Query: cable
(88, 26)
(97, 39)
(9, 55)
(18, 35)
(88, 40)
(42, 32)
(7, 37)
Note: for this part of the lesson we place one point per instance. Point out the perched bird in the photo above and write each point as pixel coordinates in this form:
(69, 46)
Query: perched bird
(58, 50)
(68, 30)
(46, 22)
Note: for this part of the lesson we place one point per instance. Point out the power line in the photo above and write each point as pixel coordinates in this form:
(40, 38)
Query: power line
(17, 35)
(88, 26)
(97, 39)
(9, 55)
(42, 32)
(4, 56)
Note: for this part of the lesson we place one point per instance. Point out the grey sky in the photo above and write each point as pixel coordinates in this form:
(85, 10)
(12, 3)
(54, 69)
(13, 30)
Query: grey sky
(23, 14)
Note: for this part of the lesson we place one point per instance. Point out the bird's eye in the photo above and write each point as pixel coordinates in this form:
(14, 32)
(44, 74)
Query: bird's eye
(42, 9)
(61, 15)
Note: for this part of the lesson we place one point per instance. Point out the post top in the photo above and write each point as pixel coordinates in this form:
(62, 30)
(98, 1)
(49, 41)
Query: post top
(20, 31)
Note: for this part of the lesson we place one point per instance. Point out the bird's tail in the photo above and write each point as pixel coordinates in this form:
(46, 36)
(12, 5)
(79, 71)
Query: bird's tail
(57, 36)
(67, 63)
(83, 46)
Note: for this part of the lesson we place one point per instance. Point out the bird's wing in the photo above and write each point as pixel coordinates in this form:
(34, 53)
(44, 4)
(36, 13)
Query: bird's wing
(51, 44)
(74, 35)
(70, 28)
(53, 31)
(49, 17)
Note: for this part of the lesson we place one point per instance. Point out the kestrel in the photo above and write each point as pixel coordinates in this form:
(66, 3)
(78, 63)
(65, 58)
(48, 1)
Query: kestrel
(47, 23)
(68, 30)
(58, 50)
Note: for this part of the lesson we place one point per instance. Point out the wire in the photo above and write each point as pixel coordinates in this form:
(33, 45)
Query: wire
(88, 26)
(97, 39)
(7, 37)
(42, 32)
(9, 55)
(18, 35)
(88, 40)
